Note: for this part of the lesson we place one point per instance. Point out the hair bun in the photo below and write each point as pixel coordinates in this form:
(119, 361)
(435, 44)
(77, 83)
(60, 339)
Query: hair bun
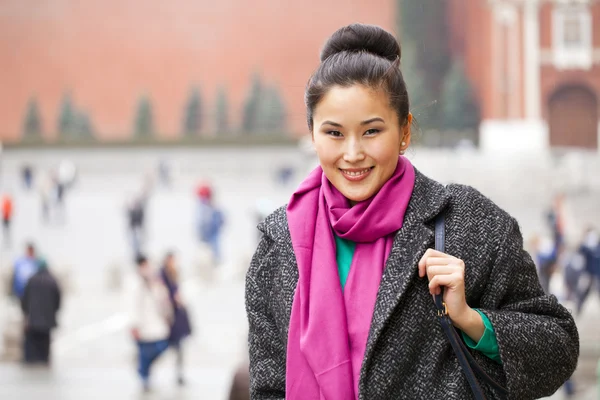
(361, 37)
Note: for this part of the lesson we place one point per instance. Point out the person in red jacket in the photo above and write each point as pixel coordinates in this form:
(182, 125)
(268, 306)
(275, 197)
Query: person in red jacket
(7, 214)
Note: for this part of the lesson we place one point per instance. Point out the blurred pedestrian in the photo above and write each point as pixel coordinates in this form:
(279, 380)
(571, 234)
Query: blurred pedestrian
(45, 190)
(180, 328)
(546, 259)
(165, 172)
(210, 222)
(67, 174)
(556, 222)
(23, 269)
(136, 216)
(574, 269)
(349, 294)
(284, 175)
(151, 316)
(136, 212)
(27, 176)
(590, 252)
(7, 215)
(59, 187)
(40, 303)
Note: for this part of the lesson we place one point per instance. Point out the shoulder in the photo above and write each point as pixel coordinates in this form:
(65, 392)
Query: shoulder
(271, 248)
(275, 225)
(468, 200)
(476, 219)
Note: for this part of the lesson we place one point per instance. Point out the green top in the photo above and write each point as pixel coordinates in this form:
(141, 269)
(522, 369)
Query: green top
(488, 344)
(344, 251)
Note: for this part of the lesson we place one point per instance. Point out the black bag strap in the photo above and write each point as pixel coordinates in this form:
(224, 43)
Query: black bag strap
(466, 361)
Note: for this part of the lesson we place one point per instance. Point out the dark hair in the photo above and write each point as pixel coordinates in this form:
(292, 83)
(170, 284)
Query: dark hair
(359, 54)
(140, 259)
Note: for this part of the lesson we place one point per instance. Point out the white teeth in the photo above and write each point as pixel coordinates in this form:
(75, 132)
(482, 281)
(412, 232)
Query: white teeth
(358, 173)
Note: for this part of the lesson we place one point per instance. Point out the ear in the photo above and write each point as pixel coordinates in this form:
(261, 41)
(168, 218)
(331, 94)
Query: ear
(406, 133)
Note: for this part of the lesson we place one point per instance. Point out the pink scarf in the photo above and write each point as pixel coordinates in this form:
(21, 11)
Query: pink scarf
(329, 329)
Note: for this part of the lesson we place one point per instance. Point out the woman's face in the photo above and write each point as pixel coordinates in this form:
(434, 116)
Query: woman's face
(358, 139)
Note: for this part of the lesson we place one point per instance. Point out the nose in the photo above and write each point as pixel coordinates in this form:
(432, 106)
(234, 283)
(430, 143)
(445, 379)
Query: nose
(353, 150)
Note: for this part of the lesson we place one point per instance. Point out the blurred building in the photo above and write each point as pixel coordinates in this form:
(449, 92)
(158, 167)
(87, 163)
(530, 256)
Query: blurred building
(109, 53)
(535, 65)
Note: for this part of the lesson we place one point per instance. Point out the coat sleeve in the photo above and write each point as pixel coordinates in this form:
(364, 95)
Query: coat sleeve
(537, 337)
(267, 351)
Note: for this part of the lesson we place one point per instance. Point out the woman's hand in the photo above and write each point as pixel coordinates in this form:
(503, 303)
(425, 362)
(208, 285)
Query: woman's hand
(448, 271)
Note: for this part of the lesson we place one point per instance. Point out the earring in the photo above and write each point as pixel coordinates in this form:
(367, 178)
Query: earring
(403, 143)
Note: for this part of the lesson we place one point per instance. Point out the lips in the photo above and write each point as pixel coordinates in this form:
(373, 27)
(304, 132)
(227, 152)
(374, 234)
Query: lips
(356, 174)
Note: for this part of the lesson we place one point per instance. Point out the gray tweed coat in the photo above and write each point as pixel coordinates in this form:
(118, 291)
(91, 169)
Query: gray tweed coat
(407, 354)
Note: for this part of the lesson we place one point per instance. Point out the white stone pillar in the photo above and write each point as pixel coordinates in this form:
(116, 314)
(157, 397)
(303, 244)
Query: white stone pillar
(506, 50)
(531, 40)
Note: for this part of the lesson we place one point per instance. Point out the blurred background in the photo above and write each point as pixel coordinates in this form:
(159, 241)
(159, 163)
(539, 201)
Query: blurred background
(124, 123)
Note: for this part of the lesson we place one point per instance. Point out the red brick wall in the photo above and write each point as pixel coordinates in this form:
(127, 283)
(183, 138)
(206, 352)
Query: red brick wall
(108, 53)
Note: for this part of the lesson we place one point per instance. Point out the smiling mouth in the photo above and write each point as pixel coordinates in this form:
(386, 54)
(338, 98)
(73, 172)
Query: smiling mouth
(356, 174)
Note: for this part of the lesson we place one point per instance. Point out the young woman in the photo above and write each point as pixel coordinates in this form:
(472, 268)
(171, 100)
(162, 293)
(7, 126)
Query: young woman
(339, 292)
(150, 317)
(180, 327)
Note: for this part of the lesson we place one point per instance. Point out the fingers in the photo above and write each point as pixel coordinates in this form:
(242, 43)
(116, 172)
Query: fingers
(450, 281)
(434, 257)
(442, 270)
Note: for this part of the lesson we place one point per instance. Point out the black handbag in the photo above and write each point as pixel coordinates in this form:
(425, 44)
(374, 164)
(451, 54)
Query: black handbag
(466, 361)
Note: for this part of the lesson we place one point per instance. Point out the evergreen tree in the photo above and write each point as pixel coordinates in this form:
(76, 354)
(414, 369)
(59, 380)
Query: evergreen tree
(221, 112)
(32, 125)
(272, 112)
(413, 77)
(250, 117)
(84, 127)
(424, 35)
(192, 122)
(67, 117)
(459, 107)
(144, 122)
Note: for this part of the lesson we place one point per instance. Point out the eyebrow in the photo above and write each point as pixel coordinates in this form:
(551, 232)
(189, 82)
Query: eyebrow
(376, 119)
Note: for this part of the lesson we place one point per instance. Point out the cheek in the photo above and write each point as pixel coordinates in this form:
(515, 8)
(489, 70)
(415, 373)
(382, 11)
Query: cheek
(325, 151)
(385, 152)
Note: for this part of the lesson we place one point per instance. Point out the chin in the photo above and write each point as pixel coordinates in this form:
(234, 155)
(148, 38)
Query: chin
(357, 198)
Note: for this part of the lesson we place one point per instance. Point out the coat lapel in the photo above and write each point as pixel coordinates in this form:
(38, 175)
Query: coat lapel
(285, 279)
(429, 198)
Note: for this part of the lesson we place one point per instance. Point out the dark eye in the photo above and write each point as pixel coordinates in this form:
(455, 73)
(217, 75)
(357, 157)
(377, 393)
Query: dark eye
(372, 132)
(334, 133)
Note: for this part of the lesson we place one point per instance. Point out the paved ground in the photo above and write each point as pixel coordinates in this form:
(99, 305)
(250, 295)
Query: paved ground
(93, 356)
